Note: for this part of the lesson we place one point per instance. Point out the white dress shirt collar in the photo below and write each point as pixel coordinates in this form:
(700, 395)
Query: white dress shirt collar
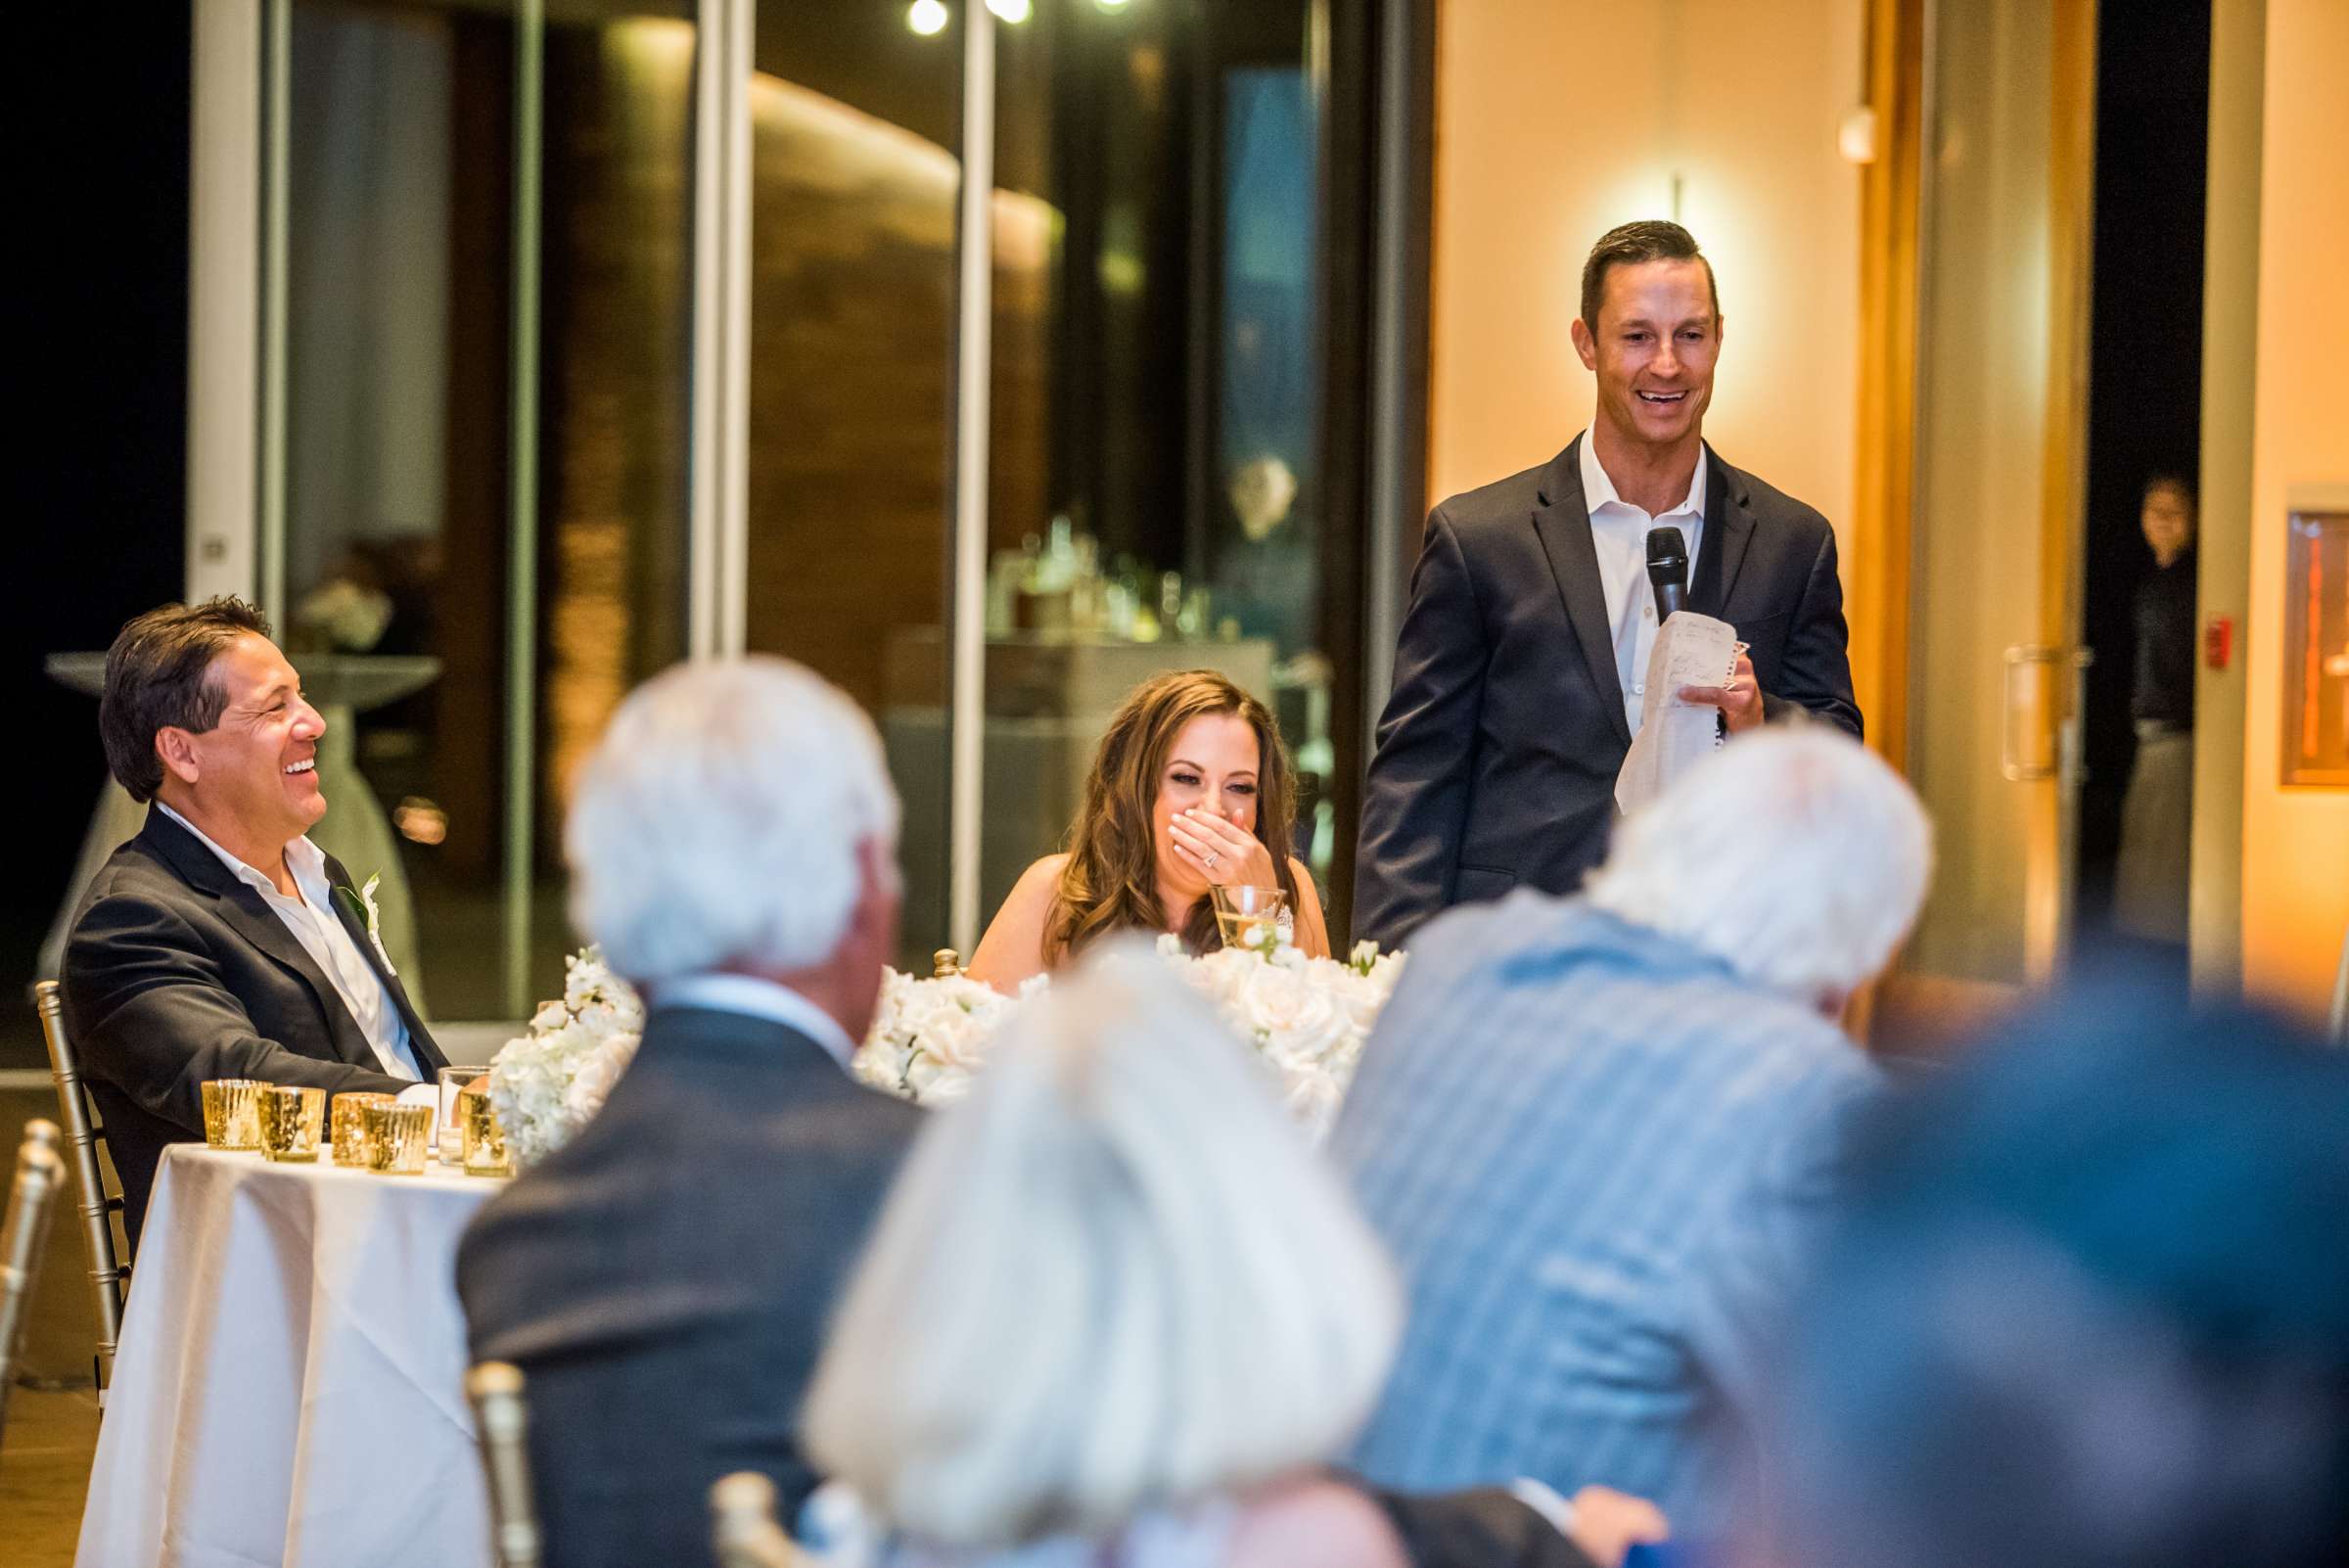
(301, 856)
(754, 997)
(1600, 491)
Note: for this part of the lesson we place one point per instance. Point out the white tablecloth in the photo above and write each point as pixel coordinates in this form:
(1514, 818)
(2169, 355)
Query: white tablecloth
(290, 1383)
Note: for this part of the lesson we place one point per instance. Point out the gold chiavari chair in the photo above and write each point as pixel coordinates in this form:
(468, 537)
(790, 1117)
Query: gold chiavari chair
(23, 1237)
(109, 1270)
(742, 1525)
(501, 1416)
(945, 964)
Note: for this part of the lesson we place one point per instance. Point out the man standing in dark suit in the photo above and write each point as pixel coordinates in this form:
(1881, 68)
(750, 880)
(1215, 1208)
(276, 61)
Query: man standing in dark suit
(663, 1281)
(220, 942)
(1519, 676)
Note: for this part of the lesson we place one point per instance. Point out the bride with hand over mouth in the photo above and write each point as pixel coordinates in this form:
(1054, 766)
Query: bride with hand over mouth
(1191, 789)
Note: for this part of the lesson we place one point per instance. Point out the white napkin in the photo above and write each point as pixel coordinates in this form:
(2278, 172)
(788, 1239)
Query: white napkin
(1692, 650)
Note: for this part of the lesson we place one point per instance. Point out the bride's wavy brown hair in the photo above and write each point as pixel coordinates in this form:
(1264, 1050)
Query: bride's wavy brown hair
(1111, 880)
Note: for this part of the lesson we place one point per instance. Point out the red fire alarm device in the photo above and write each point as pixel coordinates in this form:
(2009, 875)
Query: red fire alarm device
(2218, 642)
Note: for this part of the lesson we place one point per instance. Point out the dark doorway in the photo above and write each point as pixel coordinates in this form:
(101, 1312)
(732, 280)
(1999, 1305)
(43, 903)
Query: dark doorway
(2144, 419)
(99, 451)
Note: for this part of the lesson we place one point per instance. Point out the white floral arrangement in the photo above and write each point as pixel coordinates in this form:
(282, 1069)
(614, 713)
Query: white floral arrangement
(550, 1083)
(1307, 1018)
(929, 1036)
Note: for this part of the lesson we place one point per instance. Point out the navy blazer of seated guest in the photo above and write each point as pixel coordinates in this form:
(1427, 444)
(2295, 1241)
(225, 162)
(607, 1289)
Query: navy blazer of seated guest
(1499, 745)
(176, 972)
(665, 1278)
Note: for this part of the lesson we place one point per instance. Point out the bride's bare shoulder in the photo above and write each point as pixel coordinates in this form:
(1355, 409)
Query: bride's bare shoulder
(1040, 881)
(1013, 947)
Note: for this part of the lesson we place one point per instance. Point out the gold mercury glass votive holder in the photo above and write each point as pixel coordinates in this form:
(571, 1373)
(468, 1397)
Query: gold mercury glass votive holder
(292, 1118)
(397, 1137)
(449, 1136)
(485, 1138)
(232, 1113)
(351, 1139)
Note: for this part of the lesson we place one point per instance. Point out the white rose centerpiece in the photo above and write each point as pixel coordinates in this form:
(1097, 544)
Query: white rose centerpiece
(550, 1083)
(1306, 1017)
(929, 1036)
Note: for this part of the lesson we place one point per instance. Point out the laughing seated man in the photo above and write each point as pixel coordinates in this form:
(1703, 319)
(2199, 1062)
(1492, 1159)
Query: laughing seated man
(220, 942)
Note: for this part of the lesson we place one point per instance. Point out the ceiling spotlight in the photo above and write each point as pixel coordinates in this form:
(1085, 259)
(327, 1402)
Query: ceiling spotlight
(927, 17)
(1014, 11)
(1111, 5)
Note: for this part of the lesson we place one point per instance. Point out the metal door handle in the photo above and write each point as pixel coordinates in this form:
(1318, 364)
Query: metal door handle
(2027, 749)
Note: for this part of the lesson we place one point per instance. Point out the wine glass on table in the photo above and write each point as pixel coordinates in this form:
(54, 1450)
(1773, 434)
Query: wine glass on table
(1249, 917)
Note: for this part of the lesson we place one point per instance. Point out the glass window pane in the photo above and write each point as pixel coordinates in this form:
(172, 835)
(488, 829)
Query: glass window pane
(1157, 429)
(855, 175)
(400, 594)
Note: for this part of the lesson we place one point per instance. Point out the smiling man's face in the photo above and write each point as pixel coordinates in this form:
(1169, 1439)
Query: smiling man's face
(257, 766)
(1653, 350)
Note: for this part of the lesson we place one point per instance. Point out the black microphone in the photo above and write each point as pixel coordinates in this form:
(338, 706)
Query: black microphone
(1668, 571)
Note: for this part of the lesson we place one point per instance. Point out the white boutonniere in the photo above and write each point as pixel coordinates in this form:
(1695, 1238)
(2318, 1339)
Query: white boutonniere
(365, 900)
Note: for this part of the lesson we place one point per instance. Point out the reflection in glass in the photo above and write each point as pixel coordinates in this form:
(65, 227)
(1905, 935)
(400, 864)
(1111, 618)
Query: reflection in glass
(1155, 427)
(401, 548)
(1155, 458)
(854, 177)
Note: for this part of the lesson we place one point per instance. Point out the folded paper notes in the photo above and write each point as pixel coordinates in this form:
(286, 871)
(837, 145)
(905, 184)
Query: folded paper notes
(1690, 650)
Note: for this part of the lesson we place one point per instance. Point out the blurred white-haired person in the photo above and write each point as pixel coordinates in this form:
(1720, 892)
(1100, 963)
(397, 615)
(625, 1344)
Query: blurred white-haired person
(1115, 1311)
(662, 1279)
(1596, 1132)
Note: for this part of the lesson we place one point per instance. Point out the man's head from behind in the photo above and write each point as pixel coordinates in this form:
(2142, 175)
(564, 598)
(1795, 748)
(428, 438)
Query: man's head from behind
(202, 711)
(2087, 1307)
(738, 817)
(1650, 331)
(1794, 856)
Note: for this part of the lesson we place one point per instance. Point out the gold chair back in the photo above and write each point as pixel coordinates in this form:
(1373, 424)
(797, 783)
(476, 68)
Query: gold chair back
(24, 1236)
(945, 964)
(109, 1270)
(742, 1524)
(501, 1416)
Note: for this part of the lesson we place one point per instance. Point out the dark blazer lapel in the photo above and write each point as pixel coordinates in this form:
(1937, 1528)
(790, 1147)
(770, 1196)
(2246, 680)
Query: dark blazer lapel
(420, 1039)
(1728, 529)
(259, 924)
(1563, 522)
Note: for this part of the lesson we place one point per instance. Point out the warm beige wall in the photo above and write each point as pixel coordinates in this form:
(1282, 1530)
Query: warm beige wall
(1556, 119)
(2295, 842)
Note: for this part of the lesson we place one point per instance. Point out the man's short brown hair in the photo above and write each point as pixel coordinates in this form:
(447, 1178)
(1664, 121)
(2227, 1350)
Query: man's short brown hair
(1628, 244)
(158, 675)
